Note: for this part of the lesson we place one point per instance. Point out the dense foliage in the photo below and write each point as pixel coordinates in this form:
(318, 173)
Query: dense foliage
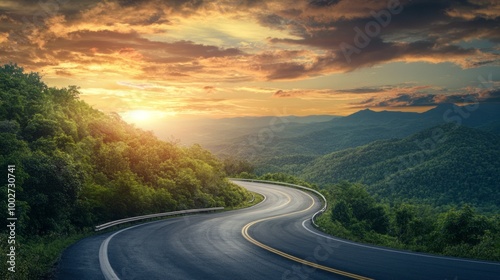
(76, 167)
(461, 232)
(443, 165)
(286, 178)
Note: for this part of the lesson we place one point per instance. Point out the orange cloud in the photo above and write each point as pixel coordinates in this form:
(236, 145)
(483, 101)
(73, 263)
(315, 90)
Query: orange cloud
(167, 52)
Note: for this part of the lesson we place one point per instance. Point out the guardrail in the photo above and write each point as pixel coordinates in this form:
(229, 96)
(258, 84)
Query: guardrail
(294, 186)
(138, 218)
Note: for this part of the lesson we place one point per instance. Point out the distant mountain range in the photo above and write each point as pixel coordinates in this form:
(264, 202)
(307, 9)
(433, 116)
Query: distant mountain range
(449, 154)
(321, 135)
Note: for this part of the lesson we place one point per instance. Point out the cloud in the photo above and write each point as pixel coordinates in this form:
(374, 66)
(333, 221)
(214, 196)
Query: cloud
(313, 38)
(63, 73)
(363, 36)
(316, 94)
(489, 96)
(136, 85)
(401, 100)
(280, 94)
(350, 92)
(469, 10)
(429, 99)
(120, 32)
(403, 95)
(92, 43)
(210, 89)
(363, 90)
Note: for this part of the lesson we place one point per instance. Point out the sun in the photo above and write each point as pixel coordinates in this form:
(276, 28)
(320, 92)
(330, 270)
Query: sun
(144, 116)
(140, 115)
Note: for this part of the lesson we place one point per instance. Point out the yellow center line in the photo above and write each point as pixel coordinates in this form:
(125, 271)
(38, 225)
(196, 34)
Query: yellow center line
(246, 235)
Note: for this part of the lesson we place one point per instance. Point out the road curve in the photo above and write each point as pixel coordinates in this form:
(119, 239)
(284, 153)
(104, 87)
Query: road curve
(272, 240)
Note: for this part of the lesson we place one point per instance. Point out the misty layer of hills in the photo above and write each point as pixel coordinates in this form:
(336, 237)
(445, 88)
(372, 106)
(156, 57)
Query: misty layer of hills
(323, 137)
(449, 154)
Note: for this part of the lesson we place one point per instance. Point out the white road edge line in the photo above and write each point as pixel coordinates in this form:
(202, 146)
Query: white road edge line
(368, 246)
(106, 268)
(391, 250)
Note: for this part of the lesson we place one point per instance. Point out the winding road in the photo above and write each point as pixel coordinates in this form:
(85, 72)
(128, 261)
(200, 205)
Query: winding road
(271, 240)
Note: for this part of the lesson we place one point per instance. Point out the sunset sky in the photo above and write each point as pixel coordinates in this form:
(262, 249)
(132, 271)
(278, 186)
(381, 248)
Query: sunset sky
(199, 58)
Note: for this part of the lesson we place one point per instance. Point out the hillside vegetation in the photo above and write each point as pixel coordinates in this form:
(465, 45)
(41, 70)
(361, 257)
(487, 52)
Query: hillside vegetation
(76, 167)
(447, 164)
(266, 143)
(459, 232)
(356, 215)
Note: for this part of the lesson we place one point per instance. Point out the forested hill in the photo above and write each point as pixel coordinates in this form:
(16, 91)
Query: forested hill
(447, 164)
(76, 166)
(266, 146)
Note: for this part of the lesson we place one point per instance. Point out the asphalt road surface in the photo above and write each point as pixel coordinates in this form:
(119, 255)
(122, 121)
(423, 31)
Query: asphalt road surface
(272, 240)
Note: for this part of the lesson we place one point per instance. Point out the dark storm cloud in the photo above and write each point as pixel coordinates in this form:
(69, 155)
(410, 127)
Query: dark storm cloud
(323, 3)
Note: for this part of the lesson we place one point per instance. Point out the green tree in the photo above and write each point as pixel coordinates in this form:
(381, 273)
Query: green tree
(463, 226)
(51, 191)
(404, 214)
(342, 213)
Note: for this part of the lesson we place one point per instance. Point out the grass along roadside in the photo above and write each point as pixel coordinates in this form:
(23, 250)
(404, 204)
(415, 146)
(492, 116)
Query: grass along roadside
(36, 258)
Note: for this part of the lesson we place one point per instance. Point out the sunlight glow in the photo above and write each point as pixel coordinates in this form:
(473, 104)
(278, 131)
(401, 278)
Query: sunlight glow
(143, 116)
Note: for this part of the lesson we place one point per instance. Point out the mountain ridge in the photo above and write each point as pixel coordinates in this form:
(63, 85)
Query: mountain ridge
(458, 164)
(360, 128)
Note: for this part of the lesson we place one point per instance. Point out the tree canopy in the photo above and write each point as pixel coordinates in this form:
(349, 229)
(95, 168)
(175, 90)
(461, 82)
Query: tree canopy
(77, 166)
